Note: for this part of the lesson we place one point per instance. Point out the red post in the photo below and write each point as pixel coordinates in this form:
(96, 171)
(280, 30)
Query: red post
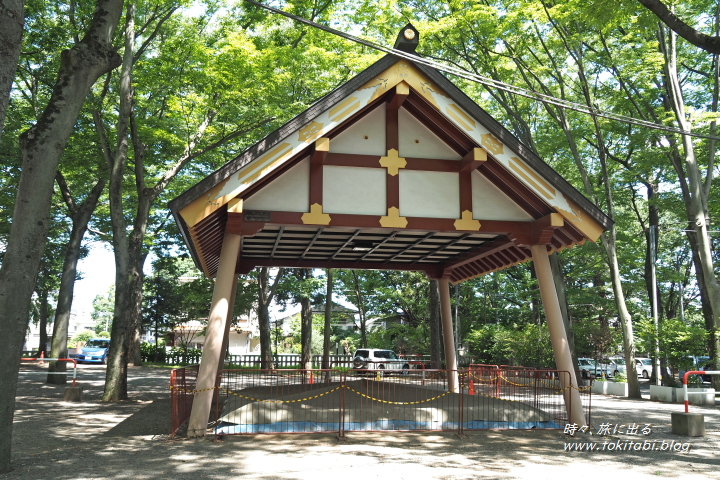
(471, 390)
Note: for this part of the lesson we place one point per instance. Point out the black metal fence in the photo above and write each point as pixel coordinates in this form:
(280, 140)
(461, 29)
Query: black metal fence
(285, 401)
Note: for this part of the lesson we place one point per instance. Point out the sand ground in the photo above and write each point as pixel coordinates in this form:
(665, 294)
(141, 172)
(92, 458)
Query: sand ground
(53, 439)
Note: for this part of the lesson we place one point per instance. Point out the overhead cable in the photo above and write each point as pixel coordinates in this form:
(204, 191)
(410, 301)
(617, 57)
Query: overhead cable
(486, 81)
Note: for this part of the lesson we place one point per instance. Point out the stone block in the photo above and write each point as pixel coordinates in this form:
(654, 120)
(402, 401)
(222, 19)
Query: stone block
(688, 424)
(73, 394)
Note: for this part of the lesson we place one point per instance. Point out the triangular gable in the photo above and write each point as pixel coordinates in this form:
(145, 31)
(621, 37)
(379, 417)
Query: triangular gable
(274, 174)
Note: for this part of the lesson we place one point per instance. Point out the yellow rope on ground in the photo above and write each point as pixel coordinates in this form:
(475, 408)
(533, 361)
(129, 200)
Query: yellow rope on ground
(517, 384)
(482, 380)
(281, 401)
(191, 391)
(393, 403)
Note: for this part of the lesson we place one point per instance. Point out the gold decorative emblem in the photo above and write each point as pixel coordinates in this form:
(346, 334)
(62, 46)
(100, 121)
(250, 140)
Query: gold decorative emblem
(393, 162)
(316, 216)
(466, 222)
(492, 144)
(310, 132)
(393, 219)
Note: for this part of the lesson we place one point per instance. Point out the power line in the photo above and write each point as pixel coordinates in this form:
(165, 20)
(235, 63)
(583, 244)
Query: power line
(486, 81)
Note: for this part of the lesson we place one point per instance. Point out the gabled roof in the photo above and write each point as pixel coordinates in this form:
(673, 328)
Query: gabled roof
(395, 169)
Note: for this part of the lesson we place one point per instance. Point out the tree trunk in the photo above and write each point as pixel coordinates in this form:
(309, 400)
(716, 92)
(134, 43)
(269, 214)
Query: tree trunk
(328, 315)
(434, 319)
(609, 242)
(361, 307)
(41, 148)
(80, 216)
(266, 292)
(42, 323)
(305, 326)
(11, 29)
(696, 201)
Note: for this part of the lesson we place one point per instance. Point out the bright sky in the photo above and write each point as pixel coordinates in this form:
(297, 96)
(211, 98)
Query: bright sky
(98, 272)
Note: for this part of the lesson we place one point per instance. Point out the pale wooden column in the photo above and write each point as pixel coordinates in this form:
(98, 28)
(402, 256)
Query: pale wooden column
(448, 337)
(558, 336)
(228, 324)
(212, 349)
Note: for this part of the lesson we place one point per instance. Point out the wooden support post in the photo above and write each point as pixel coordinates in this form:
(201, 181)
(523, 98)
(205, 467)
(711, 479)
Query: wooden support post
(228, 324)
(558, 336)
(448, 337)
(212, 348)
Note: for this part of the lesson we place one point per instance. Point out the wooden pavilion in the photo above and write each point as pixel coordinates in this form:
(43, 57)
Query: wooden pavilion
(397, 169)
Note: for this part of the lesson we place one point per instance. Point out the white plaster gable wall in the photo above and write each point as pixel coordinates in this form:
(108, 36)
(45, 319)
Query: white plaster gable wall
(429, 194)
(288, 193)
(416, 140)
(354, 190)
(366, 136)
(489, 203)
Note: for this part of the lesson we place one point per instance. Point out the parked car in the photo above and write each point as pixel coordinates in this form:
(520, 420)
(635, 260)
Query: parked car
(617, 365)
(700, 362)
(590, 368)
(379, 359)
(95, 350)
(644, 366)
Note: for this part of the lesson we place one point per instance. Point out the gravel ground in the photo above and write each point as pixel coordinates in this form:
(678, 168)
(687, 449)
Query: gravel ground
(128, 440)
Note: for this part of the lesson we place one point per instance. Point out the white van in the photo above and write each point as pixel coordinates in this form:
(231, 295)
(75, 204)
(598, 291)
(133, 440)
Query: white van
(379, 359)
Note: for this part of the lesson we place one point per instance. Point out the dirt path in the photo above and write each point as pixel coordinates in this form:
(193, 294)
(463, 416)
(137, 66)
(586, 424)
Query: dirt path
(128, 440)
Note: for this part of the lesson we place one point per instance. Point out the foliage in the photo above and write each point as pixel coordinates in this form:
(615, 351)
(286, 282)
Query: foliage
(678, 339)
(81, 338)
(595, 340)
(102, 313)
(527, 346)
(153, 353)
(183, 356)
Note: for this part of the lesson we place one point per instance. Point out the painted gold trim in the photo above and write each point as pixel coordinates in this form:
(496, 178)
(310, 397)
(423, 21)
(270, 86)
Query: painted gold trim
(403, 72)
(587, 225)
(322, 144)
(462, 118)
(532, 178)
(235, 205)
(316, 216)
(343, 109)
(206, 204)
(466, 222)
(492, 144)
(310, 132)
(393, 219)
(393, 162)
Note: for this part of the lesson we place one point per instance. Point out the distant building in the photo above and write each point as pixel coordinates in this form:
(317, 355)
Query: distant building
(77, 324)
(244, 336)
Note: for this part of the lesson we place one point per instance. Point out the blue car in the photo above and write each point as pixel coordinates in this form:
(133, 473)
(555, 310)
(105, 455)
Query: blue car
(94, 351)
